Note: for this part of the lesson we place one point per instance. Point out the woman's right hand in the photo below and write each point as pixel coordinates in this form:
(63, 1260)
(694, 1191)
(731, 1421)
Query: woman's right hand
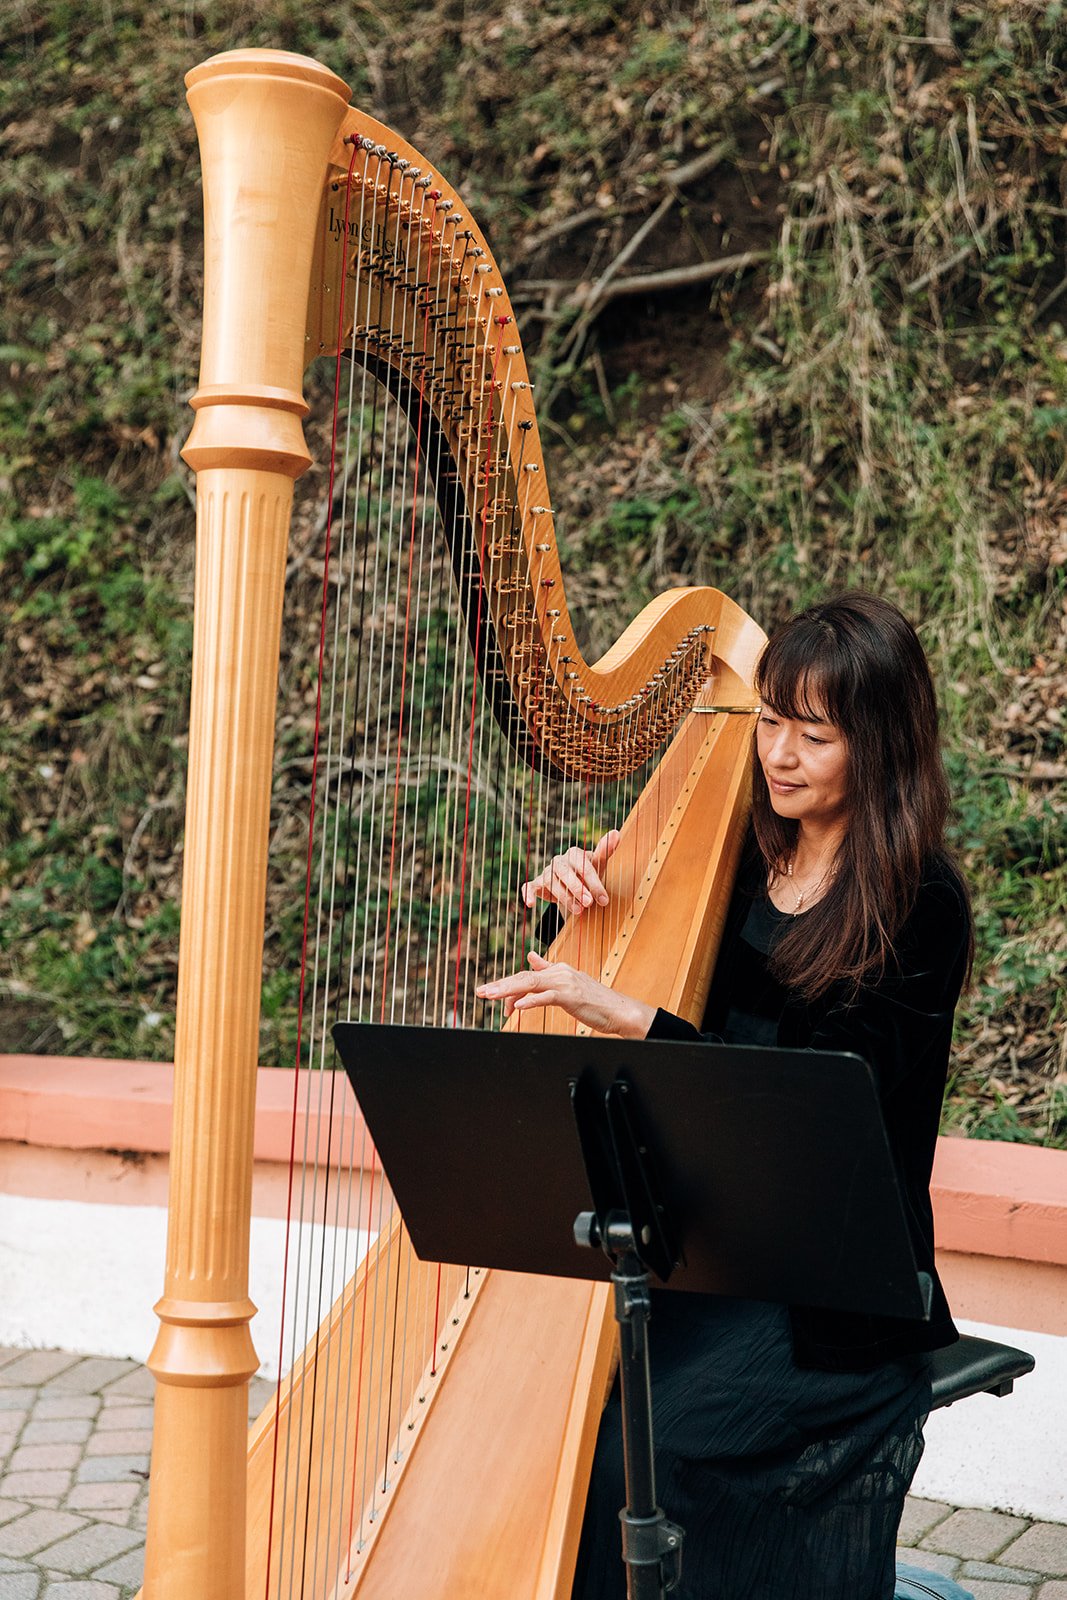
(572, 880)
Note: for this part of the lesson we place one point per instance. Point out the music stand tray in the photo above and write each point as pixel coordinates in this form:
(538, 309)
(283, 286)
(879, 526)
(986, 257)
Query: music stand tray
(772, 1165)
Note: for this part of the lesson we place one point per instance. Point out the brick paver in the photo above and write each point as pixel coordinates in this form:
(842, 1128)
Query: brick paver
(66, 1405)
(1056, 1590)
(120, 1442)
(996, 1570)
(1044, 1546)
(112, 1469)
(113, 1419)
(930, 1561)
(919, 1517)
(90, 1548)
(998, 1591)
(36, 1530)
(35, 1485)
(91, 1374)
(128, 1570)
(45, 1458)
(977, 1535)
(39, 1366)
(94, 1497)
(56, 1430)
(16, 1399)
(81, 1589)
(138, 1384)
(19, 1585)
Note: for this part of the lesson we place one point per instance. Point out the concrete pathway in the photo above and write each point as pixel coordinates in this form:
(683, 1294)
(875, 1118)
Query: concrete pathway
(75, 1436)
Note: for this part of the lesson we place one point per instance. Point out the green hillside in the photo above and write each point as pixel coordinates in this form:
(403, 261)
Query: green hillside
(871, 390)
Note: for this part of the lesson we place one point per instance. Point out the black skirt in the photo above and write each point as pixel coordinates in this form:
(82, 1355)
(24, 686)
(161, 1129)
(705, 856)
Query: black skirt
(789, 1483)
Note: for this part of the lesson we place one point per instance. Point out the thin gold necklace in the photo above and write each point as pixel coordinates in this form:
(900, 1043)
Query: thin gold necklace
(800, 895)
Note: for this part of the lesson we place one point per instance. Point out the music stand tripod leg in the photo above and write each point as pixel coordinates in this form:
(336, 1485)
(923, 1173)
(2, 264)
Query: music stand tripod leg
(651, 1545)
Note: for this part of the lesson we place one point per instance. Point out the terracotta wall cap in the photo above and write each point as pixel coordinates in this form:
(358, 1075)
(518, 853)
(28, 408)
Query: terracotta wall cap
(81, 1103)
(996, 1199)
(990, 1199)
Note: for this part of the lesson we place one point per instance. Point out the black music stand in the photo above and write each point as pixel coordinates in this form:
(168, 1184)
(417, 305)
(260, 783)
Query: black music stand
(694, 1157)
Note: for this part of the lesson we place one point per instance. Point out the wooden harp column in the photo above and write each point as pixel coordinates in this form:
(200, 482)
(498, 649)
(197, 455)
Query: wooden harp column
(276, 138)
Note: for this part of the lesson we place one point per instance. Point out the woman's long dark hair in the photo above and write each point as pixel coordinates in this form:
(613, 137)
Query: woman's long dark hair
(857, 660)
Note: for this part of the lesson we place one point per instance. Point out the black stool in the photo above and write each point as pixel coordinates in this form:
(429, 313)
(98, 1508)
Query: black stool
(976, 1366)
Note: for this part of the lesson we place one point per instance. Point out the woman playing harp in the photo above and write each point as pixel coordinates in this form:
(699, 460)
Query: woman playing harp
(787, 1436)
(454, 700)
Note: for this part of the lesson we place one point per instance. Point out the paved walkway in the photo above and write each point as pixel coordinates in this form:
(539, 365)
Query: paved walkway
(75, 1435)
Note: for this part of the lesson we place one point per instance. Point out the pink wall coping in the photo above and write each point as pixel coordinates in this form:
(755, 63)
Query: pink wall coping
(990, 1199)
(80, 1103)
(1007, 1200)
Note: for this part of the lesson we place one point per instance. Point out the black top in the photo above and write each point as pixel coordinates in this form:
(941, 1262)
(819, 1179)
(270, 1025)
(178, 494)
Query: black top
(902, 1026)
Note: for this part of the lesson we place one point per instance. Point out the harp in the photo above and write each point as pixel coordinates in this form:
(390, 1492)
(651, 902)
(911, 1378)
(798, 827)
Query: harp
(433, 1432)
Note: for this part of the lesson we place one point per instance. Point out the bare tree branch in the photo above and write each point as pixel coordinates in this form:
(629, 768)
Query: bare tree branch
(682, 277)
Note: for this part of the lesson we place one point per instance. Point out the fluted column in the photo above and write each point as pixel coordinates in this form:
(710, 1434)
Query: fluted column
(266, 122)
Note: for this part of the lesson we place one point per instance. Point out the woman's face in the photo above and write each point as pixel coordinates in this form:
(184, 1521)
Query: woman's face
(805, 763)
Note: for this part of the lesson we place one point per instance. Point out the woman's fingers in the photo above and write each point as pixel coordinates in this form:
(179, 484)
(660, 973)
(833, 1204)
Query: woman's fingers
(526, 981)
(543, 983)
(572, 880)
(571, 888)
(576, 871)
(521, 990)
(605, 848)
(555, 983)
(581, 864)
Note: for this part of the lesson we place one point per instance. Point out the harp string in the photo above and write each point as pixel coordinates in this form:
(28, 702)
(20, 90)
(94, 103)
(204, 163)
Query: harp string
(367, 1164)
(367, 1456)
(474, 688)
(307, 902)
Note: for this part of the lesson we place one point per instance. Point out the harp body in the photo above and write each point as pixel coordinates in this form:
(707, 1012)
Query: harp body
(482, 1491)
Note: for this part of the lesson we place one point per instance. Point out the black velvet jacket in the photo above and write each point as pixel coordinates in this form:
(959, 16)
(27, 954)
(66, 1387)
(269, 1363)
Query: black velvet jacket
(902, 1026)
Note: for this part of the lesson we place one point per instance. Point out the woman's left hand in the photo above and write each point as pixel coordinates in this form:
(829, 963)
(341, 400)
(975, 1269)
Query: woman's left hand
(555, 983)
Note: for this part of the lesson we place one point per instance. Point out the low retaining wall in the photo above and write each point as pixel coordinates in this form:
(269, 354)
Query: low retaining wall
(89, 1130)
(1001, 1222)
(83, 1192)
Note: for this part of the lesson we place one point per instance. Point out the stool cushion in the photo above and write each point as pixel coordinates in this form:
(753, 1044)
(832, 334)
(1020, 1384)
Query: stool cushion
(914, 1584)
(976, 1366)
